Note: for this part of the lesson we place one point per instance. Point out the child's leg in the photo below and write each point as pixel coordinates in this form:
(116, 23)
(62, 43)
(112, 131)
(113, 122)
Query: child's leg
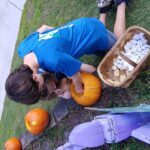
(104, 6)
(102, 18)
(120, 23)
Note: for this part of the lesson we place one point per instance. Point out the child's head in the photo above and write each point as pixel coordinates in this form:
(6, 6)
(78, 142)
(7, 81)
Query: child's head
(25, 87)
(21, 87)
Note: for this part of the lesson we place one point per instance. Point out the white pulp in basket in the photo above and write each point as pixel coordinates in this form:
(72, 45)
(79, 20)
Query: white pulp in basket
(136, 49)
(121, 64)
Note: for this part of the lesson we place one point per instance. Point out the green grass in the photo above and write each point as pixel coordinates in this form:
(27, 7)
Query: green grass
(58, 12)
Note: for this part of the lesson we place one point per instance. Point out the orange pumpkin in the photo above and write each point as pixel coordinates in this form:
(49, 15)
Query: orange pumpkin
(92, 90)
(36, 120)
(13, 144)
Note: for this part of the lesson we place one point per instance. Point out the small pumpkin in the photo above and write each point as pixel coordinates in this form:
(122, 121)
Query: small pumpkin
(92, 90)
(13, 144)
(36, 120)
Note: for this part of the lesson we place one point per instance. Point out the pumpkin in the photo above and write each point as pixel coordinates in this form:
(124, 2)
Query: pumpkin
(13, 144)
(92, 90)
(36, 120)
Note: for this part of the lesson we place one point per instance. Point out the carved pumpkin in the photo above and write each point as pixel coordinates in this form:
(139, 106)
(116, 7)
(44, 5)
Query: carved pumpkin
(36, 120)
(92, 90)
(13, 144)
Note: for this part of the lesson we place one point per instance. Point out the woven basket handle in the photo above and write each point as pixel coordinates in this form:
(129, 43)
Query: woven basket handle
(127, 59)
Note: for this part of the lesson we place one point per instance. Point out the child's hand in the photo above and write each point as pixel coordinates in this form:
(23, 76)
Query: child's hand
(64, 86)
(76, 79)
(79, 89)
(66, 95)
(59, 91)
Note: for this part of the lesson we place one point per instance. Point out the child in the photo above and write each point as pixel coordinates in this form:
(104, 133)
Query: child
(31, 88)
(58, 49)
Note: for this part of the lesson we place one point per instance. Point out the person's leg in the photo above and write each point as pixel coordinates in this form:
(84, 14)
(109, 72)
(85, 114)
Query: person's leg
(102, 18)
(120, 23)
(104, 6)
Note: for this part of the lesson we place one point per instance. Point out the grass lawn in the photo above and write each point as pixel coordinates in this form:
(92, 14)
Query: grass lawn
(58, 12)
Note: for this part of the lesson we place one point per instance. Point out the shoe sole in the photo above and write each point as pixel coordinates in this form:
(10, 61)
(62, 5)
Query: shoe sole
(100, 5)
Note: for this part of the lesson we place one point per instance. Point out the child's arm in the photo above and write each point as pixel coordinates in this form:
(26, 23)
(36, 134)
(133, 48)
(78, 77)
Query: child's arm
(64, 86)
(76, 79)
(87, 68)
(44, 28)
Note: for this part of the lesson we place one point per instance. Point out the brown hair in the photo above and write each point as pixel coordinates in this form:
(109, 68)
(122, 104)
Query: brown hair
(21, 87)
(46, 92)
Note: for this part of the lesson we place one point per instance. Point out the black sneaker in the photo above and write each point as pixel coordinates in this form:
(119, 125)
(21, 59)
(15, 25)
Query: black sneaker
(104, 5)
(118, 2)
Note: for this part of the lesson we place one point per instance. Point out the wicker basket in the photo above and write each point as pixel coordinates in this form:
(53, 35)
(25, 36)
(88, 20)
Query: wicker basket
(104, 69)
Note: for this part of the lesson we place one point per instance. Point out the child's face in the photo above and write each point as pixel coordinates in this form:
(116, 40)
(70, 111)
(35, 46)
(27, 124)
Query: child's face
(51, 87)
